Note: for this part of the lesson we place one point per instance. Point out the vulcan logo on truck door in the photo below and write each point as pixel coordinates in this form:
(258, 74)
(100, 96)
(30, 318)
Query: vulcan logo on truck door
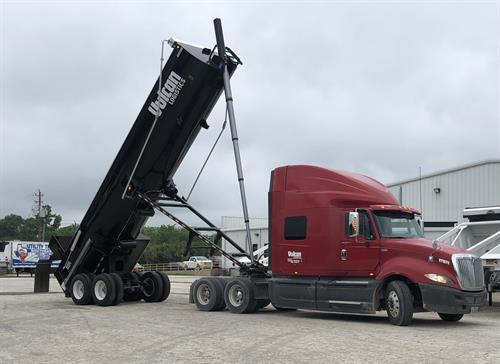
(168, 94)
(294, 257)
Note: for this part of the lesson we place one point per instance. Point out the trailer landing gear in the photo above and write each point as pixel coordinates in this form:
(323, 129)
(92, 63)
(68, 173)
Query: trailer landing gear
(109, 289)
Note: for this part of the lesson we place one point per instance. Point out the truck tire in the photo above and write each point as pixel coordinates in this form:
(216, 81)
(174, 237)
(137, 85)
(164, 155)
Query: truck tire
(166, 286)
(103, 290)
(119, 288)
(208, 294)
(399, 303)
(191, 289)
(81, 290)
(450, 317)
(222, 282)
(152, 285)
(239, 296)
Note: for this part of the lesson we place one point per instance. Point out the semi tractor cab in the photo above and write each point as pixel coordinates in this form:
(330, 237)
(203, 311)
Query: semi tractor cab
(339, 241)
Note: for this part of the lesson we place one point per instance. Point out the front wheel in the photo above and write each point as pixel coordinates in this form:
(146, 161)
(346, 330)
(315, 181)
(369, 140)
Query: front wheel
(450, 317)
(399, 303)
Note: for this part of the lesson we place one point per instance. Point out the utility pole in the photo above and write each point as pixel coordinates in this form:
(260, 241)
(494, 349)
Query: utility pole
(40, 214)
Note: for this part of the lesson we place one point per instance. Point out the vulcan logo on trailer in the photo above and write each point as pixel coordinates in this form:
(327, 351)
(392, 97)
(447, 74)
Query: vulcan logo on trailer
(168, 94)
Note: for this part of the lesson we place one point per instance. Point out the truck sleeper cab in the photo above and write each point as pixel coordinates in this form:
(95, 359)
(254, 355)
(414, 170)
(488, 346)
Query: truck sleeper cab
(339, 241)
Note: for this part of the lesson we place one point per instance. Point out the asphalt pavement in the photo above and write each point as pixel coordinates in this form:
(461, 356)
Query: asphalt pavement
(49, 328)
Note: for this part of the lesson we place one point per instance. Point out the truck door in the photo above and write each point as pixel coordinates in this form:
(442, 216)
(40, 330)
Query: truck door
(360, 256)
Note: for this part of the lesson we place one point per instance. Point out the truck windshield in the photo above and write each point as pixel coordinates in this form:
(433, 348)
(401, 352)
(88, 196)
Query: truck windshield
(398, 225)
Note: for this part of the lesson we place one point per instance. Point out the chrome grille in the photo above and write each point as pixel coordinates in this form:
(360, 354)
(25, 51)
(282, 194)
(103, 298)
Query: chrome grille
(469, 269)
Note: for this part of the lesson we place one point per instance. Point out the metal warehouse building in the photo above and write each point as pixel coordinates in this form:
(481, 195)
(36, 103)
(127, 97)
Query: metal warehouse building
(441, 196)
(234, 227)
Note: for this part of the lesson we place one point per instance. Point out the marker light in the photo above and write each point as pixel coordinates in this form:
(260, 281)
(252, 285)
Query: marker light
(438, 278)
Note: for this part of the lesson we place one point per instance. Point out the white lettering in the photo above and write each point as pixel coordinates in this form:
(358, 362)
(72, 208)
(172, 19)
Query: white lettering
(168, 94)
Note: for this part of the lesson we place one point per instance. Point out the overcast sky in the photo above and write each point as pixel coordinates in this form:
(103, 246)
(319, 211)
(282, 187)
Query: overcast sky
(375, 87)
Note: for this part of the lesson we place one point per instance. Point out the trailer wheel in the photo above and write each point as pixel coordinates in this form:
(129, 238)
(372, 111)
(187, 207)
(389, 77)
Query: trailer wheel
(208, 294)
(152, 285)
(119, 288)
(239, 296)
(166, 286)
(450, 317)
(104, 289)
(81, 290)
(399, 303)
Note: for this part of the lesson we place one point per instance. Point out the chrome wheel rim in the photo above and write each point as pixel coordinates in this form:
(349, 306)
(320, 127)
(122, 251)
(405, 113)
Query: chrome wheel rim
(235, 295)
(100, 290)
(393, 304)
(78, 289)
(203, 294)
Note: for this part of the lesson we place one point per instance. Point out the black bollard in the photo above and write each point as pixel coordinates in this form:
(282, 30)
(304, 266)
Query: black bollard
(42, 276)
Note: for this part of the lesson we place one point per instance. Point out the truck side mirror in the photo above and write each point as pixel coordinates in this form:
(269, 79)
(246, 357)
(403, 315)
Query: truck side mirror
(353, 227)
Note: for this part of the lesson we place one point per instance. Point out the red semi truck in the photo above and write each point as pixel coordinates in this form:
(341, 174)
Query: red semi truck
(339, 241)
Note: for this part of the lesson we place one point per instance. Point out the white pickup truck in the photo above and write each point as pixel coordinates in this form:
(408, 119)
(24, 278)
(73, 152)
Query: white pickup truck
(198, 262)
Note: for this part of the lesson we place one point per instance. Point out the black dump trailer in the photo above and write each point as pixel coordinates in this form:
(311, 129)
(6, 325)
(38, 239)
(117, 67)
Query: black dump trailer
(97, 262)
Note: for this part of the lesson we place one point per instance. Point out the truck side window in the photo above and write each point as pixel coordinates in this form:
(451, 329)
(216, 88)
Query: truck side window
(295, 227)
(365, 226)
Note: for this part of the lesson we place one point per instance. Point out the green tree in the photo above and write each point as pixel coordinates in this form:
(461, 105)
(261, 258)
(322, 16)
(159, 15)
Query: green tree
(11, 227)
(51, 221)
(15, 227)
(168, 243)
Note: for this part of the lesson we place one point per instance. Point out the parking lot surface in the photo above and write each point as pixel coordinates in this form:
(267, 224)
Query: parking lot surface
(48, 327)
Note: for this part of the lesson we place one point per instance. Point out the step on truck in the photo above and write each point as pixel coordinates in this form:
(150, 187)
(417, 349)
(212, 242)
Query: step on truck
(338, 241)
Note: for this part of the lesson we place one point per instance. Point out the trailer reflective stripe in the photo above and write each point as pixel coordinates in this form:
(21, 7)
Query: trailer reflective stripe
(77, 261)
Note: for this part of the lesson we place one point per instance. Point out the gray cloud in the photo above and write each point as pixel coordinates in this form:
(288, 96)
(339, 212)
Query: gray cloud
(379, 89)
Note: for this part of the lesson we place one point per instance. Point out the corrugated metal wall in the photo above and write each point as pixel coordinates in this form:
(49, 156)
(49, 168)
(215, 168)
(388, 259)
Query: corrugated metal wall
(473, 186)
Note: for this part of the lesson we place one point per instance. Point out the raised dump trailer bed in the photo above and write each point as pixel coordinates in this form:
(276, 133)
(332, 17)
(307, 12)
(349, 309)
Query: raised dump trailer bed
(97, 261)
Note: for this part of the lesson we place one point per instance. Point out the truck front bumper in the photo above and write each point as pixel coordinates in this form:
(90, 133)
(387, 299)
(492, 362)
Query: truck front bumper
(450, 300)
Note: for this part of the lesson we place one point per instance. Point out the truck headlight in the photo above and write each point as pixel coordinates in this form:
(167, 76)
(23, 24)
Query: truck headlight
(438, 278)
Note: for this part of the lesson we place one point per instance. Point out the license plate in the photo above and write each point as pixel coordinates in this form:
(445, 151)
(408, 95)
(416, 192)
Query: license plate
(474, 309)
